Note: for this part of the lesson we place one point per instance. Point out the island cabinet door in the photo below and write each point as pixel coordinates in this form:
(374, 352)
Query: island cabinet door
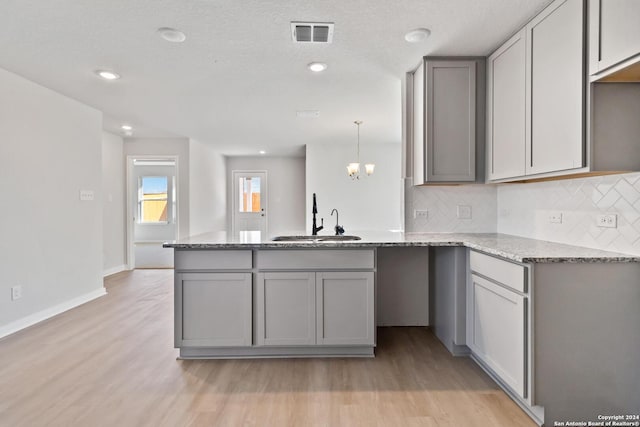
(498, 331)
(213, 310)
(345, 308)
(286, 309)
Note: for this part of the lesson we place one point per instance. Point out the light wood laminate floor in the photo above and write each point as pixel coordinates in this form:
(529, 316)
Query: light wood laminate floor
(111, 362)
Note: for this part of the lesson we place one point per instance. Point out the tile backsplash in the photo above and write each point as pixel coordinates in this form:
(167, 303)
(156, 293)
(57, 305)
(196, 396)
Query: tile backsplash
(525, 210)
(441, 203)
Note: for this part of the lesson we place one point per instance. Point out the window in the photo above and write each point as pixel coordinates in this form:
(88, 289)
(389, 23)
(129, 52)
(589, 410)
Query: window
(249, 194)
(153, 200)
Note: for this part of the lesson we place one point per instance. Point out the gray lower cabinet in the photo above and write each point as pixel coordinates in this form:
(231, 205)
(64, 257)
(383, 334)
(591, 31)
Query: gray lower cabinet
(497, 319)
(345, 308)
(213, 310)
(315, 308)
(286, 309)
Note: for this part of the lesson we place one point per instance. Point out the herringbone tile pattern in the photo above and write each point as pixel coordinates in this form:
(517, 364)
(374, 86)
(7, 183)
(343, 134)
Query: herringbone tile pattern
(524, 209)
(442, 203)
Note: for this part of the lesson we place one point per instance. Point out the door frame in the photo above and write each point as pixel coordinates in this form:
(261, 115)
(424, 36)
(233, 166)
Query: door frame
(233, 206)
(129, 213)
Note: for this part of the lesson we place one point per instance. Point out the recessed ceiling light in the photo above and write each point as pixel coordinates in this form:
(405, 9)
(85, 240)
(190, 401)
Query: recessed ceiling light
(317, 67)
(417, 35)
(172, 35)
(262, 152)
(126, 127)
(108, 75)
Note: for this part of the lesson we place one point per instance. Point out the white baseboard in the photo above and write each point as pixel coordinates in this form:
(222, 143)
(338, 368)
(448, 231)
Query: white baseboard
(47, 313)
(114, 270)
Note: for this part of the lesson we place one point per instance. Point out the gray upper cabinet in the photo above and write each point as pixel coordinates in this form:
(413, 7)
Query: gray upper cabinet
(506, 109)
(614, 33)
(555, 138)
(417, 127)
(536, 98)
(448, 110)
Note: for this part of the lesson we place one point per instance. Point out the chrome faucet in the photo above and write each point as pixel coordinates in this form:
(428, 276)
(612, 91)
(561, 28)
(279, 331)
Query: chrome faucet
(314, 230)
(338, 228)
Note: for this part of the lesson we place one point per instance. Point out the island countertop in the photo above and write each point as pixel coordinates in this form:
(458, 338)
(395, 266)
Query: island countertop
(510, 247)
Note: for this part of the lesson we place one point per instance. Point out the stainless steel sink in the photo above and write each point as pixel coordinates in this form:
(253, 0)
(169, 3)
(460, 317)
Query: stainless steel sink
(315, 238)
(341, 238)
(293, 238)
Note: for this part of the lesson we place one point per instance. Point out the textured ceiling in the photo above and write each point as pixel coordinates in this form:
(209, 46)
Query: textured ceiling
(238, 79)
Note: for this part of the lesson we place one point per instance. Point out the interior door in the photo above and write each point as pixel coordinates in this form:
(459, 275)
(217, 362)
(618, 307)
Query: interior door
(154, 216)
(250, 201)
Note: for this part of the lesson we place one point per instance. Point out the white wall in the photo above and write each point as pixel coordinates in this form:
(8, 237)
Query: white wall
(208, 188)
(113, 204)
(524, 209)
(370, 203)
(285, 190)
(179, 147)
(50, 148)
(442, 201)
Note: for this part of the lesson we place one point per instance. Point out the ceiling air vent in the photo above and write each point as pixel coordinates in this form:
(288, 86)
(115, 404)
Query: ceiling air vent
(312, 32)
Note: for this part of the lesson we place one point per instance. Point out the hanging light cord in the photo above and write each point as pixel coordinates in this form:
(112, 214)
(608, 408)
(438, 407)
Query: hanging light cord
(358, 123)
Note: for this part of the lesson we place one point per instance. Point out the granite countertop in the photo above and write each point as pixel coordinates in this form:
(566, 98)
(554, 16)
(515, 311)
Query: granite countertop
(515, 248)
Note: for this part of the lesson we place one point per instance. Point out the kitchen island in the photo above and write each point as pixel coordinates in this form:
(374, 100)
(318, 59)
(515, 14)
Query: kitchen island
(537, 316)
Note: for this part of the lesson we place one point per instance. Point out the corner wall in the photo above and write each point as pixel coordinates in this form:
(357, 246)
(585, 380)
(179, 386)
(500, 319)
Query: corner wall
(50, 149)
(113, 204)
(208, 188)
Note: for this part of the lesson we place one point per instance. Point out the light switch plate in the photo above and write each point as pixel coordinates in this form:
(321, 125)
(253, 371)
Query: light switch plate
(464, 212)
(16, 292)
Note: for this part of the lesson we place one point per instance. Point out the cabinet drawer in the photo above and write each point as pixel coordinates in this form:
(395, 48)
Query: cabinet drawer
(315, 259)
(507, 273)
(212, 260)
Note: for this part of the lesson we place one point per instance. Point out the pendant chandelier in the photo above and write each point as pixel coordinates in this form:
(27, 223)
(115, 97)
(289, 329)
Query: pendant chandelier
(353, 169)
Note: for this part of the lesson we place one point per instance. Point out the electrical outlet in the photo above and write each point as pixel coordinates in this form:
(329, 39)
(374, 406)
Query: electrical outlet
(16, 292)
(420, 214)
(607, 221)
(86, 195)
(555, 217)
(464, 212)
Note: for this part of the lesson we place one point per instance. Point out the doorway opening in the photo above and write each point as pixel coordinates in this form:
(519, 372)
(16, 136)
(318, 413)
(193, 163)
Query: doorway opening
(152, 210)
(249, 202)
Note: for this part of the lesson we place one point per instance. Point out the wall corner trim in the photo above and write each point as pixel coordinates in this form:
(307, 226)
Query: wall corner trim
(32, 319)
(114, 270)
